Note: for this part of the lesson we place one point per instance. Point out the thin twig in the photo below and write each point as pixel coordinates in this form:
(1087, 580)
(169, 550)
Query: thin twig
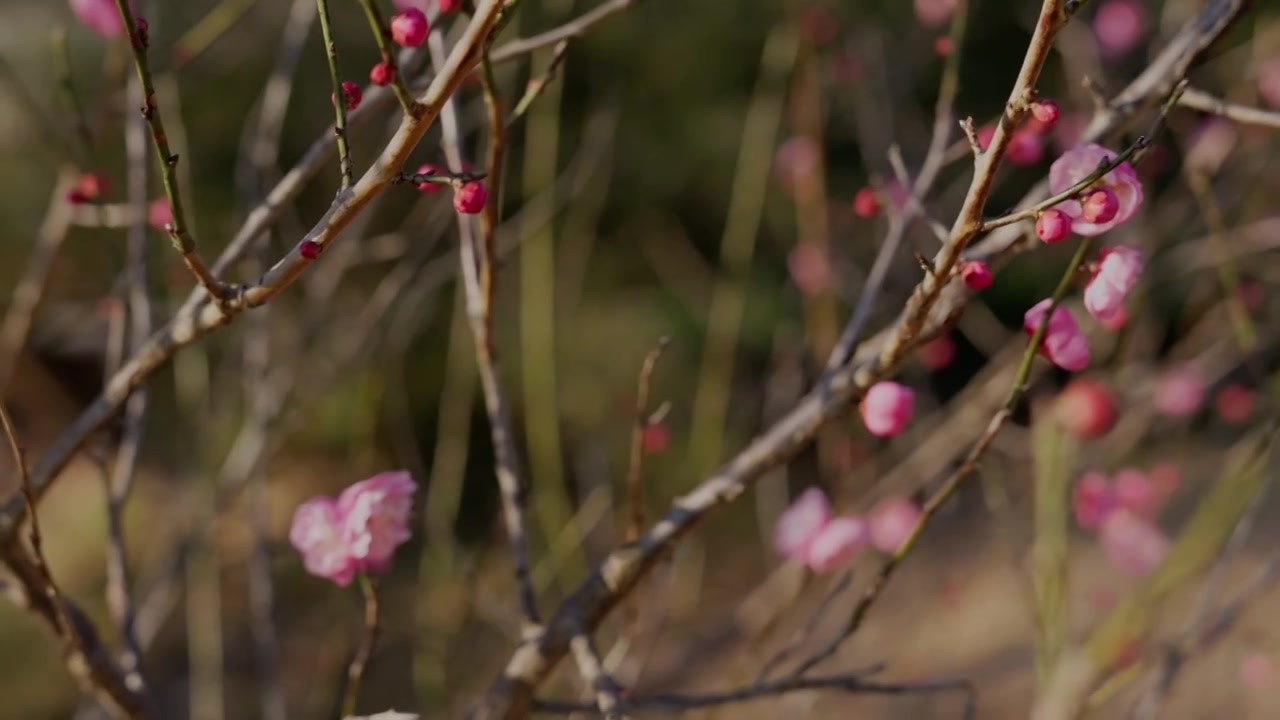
(339, 96)
(355, 672)
(477, 266)
(593, 672)
(790, 649)
(851, 683)
(388, 52)
(573, 29)
(1203, 101)
(635, 491)
(178, 229)
(538, 85)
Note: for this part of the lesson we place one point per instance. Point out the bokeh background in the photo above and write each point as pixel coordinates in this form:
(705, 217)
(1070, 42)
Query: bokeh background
(675, 180)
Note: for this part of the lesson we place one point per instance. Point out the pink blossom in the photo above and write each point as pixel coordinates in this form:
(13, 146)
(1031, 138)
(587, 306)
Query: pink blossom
(1046, 112)
(1210, 144)
(655, 438)
(375, 518)
(1135, 492)
(429, 187)
(450, 6)
(1083, 161)
(1086, 407)
(101, 16)
(801, 524)
(893, 521)
(159, 214)
(382, 74)
(409, 27)
(1100, 206)
(317, 533)
(1053, 226)
(865, 203)
(796, 160)
(1063, 344)
(470, 198)
(810, 270)
(1093, 500)
(1069, 129)
(1180, 392)
(976, 274)
(938, 353)
(1257, 671)
(839, 541)
(1118, 271)
(1120, 26)
(1234, 403)
(887, 408)
(1134, 546)
(1117, 321)
(414, 4)
(1269, 81)
(933, 13)
(1026, 147)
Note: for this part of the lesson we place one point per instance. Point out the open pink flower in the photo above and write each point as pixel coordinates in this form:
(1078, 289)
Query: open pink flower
(375, 515)
(1083, 161)
(887, 408)
(101, 16)
(1134, 546)
(1064, 344)
(317, 533)
(1117, 274)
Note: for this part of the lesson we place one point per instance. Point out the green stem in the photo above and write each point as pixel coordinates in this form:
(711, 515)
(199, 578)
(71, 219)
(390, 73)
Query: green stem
(385, 47)
(355, 672)
(339, 97)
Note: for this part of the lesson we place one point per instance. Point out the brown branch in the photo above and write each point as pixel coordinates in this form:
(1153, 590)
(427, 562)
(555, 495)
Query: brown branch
(200, 316)
(1203, 101)
(573, 29)
(179, 232)
(355, 672)
(511, 694)
(593, 672)
(635, 491)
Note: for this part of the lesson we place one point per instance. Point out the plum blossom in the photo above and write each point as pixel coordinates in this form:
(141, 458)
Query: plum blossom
(358, 532)
(893, 521)
(933, 13)
(887, 408)
(1117, 274)
(1083, 161)
(100, 16)
(1120, 26)
(1134, 545)
(1180, 392)
(1064, 344)
(808, 533)
(1093, 500)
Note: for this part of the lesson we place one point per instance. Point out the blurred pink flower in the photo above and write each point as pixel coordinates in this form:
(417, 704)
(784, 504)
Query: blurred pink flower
(1120, 25)
(801, 524)
(1257, 671)
(1026, 147)
(317, 534)
(796, 159)
(932, 13)
(655, 438)
(938, 353)
(1269, 81)
(101, 16)
(892, 522)
(837, 543)
(375, 518)
(1086, 407)
(1092, 500)
(1083, 161)
(809, 268)
(159, 214)
(1135, 492)
(887, 408)
(1118, 271)
(415, 4)
(1134, 546)
(1064, 344)
(1069, 129)
(1180, 392)
(976, 274)
(409, 27)
(1234, 403)
(865, 203)
(1209, 145)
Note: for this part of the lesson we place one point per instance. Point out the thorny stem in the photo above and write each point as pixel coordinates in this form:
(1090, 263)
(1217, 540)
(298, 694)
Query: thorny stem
(339, 97)
(179, 234)
(355, 672)
(388, 53)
